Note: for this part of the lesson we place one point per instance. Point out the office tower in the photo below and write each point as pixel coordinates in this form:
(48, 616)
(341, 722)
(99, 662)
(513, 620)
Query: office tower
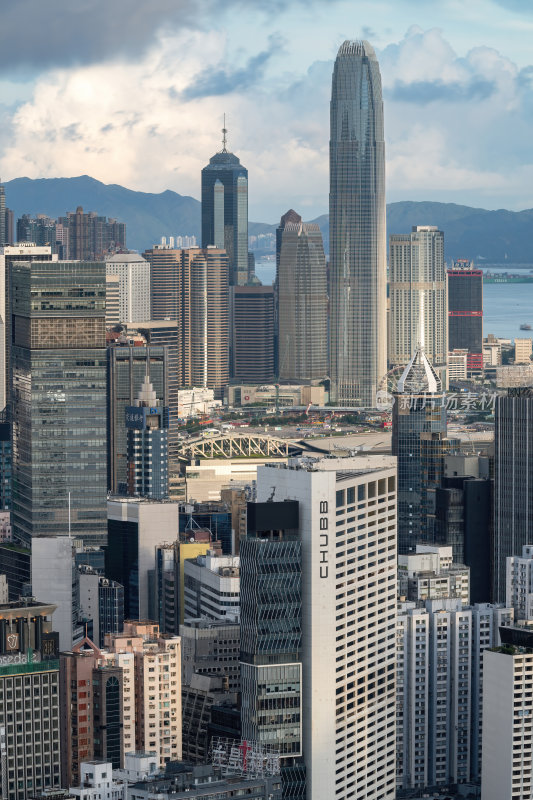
(271, 635)
(341, 630)
(211, 647)
(205, 318)
(54, 575)
(513, 468)
(225, 211)
(39, 229)
(441, 650)
(432, 574)
(9, 254)
(156, 711)
(29, 700)
(90, 237)
(112, 290)
(235, 498)
(252, 346)
(198, 698)
(418, 409)
(465, 311)
(101, 601)
(301, 300)
(508, 718)
(170, 575)
(147, 425)
(212, 586)
(15, 564)
(134, 285)
(10, 226)
(463, 518)
(5, 461)
(59, 400)
(135, 527)
(127, 365)
(3, 236)
(358, 325)
(417, 287)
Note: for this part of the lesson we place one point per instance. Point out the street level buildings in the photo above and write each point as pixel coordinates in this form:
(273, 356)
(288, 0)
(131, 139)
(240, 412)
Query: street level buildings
(358, 326)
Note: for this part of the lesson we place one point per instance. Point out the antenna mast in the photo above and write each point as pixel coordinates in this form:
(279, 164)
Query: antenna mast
(224, 138)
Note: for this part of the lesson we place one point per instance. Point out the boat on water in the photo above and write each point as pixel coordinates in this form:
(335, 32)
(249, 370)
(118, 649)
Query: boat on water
(525, 327)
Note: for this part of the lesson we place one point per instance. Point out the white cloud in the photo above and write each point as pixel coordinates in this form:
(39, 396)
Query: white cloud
(457, 127)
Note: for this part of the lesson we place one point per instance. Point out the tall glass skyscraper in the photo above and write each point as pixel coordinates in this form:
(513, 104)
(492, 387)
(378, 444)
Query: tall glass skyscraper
(225, 211)
(358, 333)
(59, 400)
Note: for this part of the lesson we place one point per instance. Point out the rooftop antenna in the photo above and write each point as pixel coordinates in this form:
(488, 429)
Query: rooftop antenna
(224, 138)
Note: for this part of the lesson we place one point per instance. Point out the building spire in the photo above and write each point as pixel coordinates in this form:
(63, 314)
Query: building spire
(224, 138)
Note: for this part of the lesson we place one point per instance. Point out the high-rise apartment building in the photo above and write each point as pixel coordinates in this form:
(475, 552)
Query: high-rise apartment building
(191, 287)
(418, 409)
(90, 237)
(252, 340)
(39, 229)
(112, 300)
(29, 701)
(519, 584)
(59, 399)
(357, 240)
(465, 311)
(417, 286)
(147, 425)
(3, 239)
(513, 471)
(441, 647)
(127, 366)
(225, 211)
(134, 285)
(348, 622)
(507, 766)
(301, 300)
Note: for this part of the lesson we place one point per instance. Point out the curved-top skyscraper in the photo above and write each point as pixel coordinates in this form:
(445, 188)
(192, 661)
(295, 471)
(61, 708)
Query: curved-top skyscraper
(358, 325)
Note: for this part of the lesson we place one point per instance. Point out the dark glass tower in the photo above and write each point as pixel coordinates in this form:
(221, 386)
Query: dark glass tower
(465, 311)
(358, 327)
(225, 211)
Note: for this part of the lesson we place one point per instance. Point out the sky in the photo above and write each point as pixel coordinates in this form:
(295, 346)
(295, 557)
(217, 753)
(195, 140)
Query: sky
(134, 93)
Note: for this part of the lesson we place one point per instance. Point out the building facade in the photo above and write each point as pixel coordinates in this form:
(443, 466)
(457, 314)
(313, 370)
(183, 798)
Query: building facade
(358, 325)
(147, 426)
(54, 575)
(465, 311)
(253, 345)
(417, 286)
(212, 587)
(59, 399)
(301, 301)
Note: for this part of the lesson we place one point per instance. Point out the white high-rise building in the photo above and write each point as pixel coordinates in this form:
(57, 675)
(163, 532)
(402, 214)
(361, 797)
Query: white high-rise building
(212, 587)
(347, 525)
(519, 584)
(417, 278)
(439, 687)
(134, 285)
(507, 769)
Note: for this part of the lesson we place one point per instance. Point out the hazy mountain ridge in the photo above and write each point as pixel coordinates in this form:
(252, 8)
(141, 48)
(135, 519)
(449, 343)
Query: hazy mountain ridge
(492, 236)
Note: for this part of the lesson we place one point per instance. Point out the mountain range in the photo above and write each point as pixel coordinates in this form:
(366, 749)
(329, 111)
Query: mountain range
(474, 233)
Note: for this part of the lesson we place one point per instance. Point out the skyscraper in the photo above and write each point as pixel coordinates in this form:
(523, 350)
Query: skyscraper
(147, 424)
(59, 399)
(134, 285)
(225, 211)
(513, 471)
(3, 237)
(417, 283)
(358, 328)
(465, 312)
(302, 300)
(252, 351)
